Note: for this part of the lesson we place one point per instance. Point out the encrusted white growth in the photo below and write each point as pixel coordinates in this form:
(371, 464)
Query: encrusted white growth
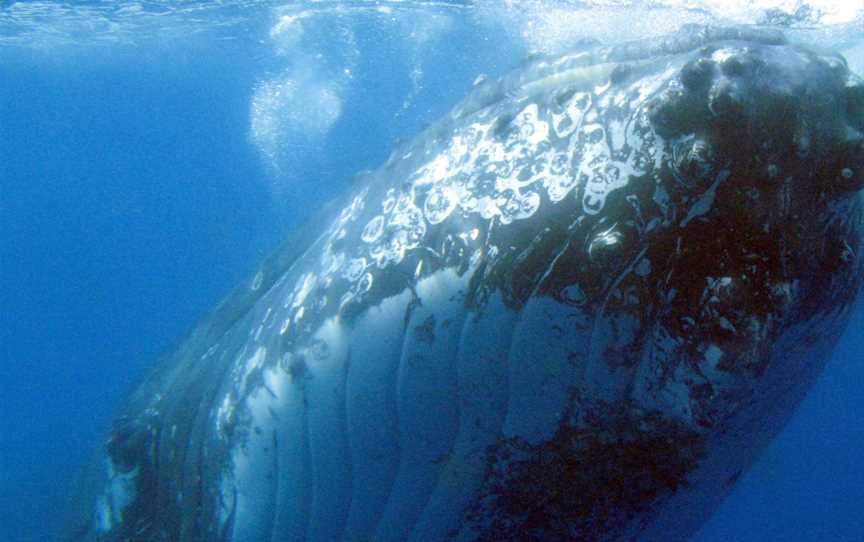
(570, 119)
(302, 289)
(246, 488)
(224, 414)
(120, 491)
(353, 271)
(440, 202)
(373, 230)
(256, 281)
(498, 168)
(254, 362)
(399, 231)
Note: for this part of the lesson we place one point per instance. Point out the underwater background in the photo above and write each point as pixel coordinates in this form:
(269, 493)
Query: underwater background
(152, 153)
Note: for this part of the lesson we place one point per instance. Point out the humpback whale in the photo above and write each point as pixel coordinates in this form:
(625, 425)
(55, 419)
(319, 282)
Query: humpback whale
(575, 308)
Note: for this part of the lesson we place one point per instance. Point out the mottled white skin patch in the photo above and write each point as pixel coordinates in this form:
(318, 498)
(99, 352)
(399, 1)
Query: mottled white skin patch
(119, 493)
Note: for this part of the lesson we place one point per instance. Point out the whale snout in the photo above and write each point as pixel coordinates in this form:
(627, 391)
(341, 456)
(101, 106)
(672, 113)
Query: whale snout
(764, 164)
(767, 113)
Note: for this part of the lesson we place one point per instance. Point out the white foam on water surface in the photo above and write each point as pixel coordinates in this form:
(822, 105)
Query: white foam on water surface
(556, 26)
(544, 25)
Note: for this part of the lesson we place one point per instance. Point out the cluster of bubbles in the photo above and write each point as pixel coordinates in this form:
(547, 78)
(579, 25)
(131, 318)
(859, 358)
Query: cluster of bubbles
(295, 107)
(318, 51)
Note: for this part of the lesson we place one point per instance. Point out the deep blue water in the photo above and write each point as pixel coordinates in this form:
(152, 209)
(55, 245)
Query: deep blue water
(135, 192)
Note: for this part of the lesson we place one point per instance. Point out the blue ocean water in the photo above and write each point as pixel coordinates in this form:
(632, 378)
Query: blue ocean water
(152, 153)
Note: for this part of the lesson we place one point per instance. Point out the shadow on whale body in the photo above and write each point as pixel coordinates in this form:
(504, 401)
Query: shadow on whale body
(576, 308)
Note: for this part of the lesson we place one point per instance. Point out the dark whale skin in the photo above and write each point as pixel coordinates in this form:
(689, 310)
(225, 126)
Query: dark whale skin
(576, 308)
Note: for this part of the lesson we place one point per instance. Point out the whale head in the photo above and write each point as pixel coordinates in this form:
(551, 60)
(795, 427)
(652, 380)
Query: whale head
(707, 275)
(760, 182)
